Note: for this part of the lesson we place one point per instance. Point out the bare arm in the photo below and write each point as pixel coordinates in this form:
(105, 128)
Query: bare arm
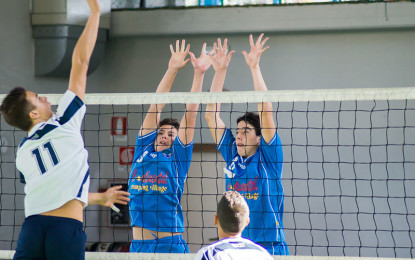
(83, 51)
(177, 61)
(220, 63)
(109, 197)
(187, 125)
(252, 58)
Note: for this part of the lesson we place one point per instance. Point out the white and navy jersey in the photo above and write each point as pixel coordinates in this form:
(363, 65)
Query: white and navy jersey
(258, 179)
(156, 184)
(233, 248)
(53, 159)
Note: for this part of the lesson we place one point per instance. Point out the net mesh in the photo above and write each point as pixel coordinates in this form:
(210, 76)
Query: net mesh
(348, 168)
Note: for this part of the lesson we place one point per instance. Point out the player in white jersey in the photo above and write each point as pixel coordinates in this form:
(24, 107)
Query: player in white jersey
(53, 162)
(232, 216)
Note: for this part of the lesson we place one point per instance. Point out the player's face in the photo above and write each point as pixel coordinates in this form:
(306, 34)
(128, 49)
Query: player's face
(165, 137)
(42, 106)
(247, 141)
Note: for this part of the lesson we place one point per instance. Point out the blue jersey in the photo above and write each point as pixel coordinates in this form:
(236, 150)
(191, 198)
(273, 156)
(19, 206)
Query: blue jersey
(156, 184)
(258, 179)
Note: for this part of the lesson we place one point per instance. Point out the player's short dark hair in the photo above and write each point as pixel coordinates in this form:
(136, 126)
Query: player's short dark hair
(253, 119)
(233, 212)
(170, 121)
(15, 109)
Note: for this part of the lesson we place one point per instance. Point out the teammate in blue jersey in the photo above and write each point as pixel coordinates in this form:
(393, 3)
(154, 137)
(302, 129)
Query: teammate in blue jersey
(232, 216)
(254, 157)
(161, 161)
(53, 162)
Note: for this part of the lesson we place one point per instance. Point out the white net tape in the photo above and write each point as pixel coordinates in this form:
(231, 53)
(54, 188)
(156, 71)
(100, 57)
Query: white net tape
(244, 96)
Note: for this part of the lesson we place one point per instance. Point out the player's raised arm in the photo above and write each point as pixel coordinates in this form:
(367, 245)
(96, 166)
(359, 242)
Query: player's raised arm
(177, 61)
(187, 125)
(220, 62)
(83, 51)
(252, 58)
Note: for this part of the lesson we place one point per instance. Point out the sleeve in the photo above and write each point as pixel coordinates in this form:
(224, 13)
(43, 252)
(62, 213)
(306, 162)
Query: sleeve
(71, 110)
(182, 156)
(22, 179)
(227, 146)
(142, 142)
(271, 154)
(202, 254)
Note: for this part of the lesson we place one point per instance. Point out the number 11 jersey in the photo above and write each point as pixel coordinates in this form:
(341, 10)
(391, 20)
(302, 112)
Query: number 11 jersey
(53, 161)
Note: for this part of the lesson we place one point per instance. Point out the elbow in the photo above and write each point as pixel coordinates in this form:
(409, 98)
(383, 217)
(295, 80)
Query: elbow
(80, 61)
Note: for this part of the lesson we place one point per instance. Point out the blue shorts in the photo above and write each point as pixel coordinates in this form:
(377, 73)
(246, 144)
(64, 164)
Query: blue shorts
(170, 244)
(275, 248)
(48, 237)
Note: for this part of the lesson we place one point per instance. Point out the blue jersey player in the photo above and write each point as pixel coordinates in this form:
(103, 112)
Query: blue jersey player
(162, 158)
(254, 156)
(53, 162)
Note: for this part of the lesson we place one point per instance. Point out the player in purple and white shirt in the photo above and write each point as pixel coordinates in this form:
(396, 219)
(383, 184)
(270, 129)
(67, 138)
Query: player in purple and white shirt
(232, 216)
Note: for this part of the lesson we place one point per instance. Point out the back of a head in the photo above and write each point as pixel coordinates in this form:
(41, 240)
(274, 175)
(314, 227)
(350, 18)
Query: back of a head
(15, 109)
(233, 212)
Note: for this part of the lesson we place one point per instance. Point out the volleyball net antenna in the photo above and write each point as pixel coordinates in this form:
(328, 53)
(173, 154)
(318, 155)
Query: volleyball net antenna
(348, 169)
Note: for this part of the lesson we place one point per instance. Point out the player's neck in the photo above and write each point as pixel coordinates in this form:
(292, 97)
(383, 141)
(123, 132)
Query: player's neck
(230, 236)
(36, 122)
(223, 235)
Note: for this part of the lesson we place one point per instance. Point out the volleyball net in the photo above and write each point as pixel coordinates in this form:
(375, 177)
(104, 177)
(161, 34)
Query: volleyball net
(348, 168)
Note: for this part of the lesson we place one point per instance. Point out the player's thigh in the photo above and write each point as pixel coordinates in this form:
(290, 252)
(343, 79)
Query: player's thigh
(65, 240)
(30, 242)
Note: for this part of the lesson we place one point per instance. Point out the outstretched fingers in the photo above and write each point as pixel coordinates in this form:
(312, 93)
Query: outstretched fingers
(258, 41)
(251, 41)
(171, 49)
(177, 45)
(183, 44)
(192, 56)
(230, 54)
(220, 48)
(203, 52)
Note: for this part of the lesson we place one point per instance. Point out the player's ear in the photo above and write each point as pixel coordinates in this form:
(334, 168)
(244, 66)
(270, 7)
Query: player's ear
(247, 222)
(216, 220)
(34, 114)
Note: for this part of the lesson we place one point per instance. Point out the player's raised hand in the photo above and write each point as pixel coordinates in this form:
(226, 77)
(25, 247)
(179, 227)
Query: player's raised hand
(252, 58)
(219, 58)
(203, 63)
(94, 6)
(115, 195)
(178, 56)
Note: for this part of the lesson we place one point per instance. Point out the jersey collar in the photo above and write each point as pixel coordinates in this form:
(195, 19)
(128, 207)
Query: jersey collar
(35, 128)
